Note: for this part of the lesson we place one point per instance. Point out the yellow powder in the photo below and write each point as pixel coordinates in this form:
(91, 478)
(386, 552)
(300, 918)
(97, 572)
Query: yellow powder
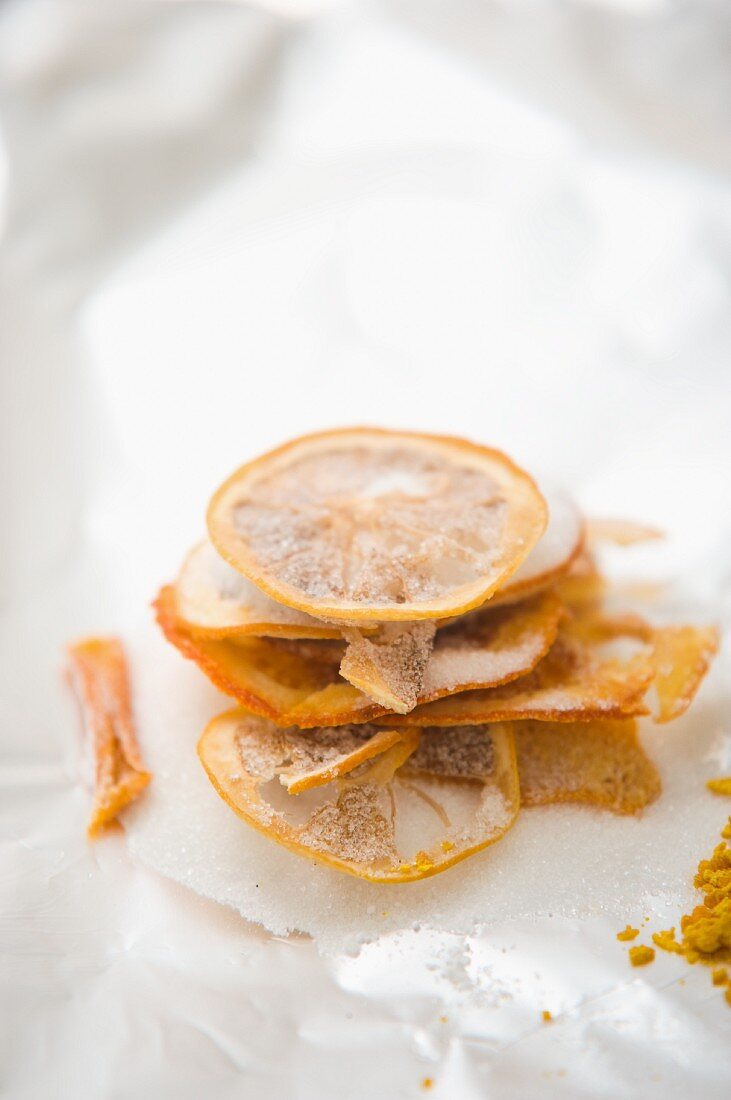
(706, 932)
(667, 941)
(641, 955)
(427, 1082)
(720, 786)
(546, 1016)
(629, 933)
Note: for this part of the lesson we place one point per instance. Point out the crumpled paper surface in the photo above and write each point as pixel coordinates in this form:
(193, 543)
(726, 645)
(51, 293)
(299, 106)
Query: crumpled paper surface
(480, 218)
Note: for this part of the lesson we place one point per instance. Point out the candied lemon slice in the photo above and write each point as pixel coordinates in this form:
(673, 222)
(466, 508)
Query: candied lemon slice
(364, 524)
(298, 683)
(99, 676)
(601, 763)
(552, 556)
(380, 826)
(213, 600)
(575, 682)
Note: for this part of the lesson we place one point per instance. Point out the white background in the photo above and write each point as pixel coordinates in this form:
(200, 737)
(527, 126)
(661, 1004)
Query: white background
(223, 227)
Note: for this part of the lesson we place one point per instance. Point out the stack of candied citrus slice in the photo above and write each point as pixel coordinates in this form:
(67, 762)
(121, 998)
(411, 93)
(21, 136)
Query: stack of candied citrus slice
(420, 643)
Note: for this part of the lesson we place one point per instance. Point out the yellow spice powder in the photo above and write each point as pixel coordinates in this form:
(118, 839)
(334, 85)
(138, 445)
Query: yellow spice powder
(641, 955)
(706, 932)
(629, 933)
(720, 786)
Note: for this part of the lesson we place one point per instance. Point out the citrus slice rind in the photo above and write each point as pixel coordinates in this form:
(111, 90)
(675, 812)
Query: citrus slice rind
(600, 763)
(214, 601)
(99, 676)
(388, 828)
(281, 680)
(364, 524)
(552, 556)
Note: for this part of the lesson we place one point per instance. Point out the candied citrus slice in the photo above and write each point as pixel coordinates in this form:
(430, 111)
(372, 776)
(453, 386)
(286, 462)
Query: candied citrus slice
(366, 524)
(552, 556)
(681, 655)
(213, 600)
(383, 827)
(298, 683)
(98, 673)
(622, 532)
(389, 668)
(601, 763)
(575, 682)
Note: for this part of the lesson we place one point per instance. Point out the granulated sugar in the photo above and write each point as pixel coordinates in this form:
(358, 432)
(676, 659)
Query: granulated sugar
(563, 860)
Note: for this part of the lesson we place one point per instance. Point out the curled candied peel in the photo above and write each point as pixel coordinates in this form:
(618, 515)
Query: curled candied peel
(98, 673)
(286, 682)
(366, 524)
(601, 763)
(408, 811)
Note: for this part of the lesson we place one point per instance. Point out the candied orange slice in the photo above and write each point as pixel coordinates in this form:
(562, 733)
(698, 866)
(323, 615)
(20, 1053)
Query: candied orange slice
(298, 683)
(213, 600)
(370, 525)
(622, 532)
(601, 763)
(383, 827)
(551, 558)
(575, 682)
(98, 673)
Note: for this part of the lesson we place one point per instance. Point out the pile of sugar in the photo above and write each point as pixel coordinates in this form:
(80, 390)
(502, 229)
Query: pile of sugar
(567, 861)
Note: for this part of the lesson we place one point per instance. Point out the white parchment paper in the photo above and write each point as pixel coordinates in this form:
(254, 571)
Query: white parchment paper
(223, 226)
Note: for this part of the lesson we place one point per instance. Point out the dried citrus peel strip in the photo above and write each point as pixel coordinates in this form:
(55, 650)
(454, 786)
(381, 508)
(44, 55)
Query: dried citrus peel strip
(365, 524)
(365, 823)
(601, 763)
(277, 680)
(98, 672)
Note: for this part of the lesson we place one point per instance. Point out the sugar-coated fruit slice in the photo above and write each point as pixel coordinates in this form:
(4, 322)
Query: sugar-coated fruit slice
(298, 683)
(214, 601)
(552, 556)
(389, 668)
(382, 820)
(371, 525)
(99, 676)
(601, 763)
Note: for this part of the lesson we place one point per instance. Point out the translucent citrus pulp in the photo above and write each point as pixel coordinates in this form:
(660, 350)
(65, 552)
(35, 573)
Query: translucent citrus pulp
(370, 525)
(418, 639)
